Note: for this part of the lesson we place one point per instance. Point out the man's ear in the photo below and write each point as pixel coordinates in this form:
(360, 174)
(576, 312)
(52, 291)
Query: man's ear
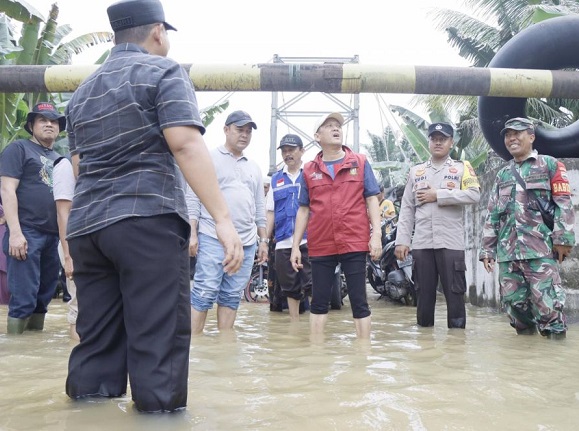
(156, 33)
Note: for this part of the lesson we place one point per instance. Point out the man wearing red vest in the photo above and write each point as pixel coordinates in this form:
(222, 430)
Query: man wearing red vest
(338, 202)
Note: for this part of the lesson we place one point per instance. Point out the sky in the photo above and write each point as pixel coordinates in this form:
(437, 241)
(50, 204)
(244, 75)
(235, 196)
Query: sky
(253, 31)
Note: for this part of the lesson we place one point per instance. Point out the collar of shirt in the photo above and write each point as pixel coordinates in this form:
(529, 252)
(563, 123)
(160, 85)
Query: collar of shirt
(122, 47)
(447, 162)
(224, 150)
(532, 155)
(285, 170)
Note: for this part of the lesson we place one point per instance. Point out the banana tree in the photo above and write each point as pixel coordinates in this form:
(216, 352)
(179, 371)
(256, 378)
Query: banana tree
(27, 38)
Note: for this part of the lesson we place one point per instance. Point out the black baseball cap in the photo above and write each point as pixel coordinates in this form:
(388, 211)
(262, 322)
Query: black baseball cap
(135, 13)
(290, 140)
(444, 128)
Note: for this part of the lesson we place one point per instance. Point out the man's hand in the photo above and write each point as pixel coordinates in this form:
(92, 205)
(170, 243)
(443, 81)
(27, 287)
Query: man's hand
(262, 253)
(68, 267)
(562, 251)
(193, 244)
(375, 245)
(17, 246)
(489, 264)
(426, 195)
(401, 252)
(296, 259)
(229, 238)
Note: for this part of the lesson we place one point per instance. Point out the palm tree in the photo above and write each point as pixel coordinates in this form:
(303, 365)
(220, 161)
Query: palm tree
(478, 41)
(390, 155)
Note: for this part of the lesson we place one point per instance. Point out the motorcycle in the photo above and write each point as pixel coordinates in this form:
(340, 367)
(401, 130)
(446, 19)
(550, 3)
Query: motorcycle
(256, 289)
(388, 276)
(339, 289)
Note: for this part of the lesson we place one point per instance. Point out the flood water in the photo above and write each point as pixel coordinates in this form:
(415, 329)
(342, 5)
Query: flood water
(269, 375)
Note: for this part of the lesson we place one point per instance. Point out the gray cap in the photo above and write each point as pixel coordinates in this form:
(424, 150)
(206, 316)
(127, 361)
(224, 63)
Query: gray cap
(240, 119)
(518, 123)
(135, 13)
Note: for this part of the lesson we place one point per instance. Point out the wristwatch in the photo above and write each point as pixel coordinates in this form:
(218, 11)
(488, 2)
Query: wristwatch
(266, 240)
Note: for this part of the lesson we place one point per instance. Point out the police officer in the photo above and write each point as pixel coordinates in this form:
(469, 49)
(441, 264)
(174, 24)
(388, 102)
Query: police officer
(516, 236)
(432, 205)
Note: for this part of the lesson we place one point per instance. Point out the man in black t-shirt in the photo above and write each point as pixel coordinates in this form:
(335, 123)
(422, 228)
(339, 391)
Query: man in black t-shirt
(31, 240)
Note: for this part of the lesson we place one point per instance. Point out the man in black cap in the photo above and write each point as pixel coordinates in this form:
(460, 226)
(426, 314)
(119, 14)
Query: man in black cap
(31, 240)
(282, 207)
(432, 205)
(241, 182)
(134, 132)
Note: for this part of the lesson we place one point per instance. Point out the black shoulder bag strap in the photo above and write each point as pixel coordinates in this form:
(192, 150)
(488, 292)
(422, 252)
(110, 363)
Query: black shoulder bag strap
(544, 207)
(519, 179)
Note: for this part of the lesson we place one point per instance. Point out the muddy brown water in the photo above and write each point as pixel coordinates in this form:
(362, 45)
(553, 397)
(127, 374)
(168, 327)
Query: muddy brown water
(270, 375)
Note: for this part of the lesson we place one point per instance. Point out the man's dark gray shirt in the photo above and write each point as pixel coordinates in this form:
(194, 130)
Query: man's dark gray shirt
(114, 122)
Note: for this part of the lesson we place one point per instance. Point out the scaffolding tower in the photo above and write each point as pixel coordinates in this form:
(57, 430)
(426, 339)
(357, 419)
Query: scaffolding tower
(285, 114)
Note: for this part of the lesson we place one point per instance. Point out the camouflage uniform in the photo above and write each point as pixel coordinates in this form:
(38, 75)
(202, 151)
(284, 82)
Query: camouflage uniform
(517, 238)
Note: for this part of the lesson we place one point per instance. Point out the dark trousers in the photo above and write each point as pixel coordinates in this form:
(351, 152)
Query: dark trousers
(450, 267)
(323, 276)
(134, 315)
(32, 282)
(293, 284)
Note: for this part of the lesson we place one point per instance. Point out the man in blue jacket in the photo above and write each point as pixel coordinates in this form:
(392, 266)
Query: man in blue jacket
(282, 207)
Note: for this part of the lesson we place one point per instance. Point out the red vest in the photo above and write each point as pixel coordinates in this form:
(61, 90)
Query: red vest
(338, 221)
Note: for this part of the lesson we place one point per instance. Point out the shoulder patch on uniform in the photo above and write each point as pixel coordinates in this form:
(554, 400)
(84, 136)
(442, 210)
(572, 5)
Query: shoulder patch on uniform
(560, 182)
(469, 178)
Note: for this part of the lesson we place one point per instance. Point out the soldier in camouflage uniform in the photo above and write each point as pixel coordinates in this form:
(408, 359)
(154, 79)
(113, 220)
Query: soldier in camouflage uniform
(432, 208)
(516, 236)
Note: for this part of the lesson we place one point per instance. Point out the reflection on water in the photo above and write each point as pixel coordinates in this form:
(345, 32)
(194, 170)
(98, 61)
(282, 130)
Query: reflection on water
(268, 375)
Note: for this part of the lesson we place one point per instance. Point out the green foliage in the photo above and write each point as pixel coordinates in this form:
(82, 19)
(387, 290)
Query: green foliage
(209, 114)
(477, 40)
(390, 155)
(40, 43)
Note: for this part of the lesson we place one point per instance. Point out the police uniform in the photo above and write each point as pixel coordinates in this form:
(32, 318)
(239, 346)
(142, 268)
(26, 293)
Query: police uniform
(438, 241)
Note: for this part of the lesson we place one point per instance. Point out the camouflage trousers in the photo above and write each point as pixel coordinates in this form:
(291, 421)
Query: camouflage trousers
(532, 294)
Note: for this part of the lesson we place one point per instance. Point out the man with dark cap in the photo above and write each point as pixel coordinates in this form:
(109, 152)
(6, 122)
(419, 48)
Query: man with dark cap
(282, 207)
(31, 240)
(518, 237)
(241, 182)
(432, 209)
(134, 133)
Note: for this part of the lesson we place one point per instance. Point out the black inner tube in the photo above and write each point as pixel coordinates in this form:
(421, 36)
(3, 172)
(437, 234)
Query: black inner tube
(551, 44)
